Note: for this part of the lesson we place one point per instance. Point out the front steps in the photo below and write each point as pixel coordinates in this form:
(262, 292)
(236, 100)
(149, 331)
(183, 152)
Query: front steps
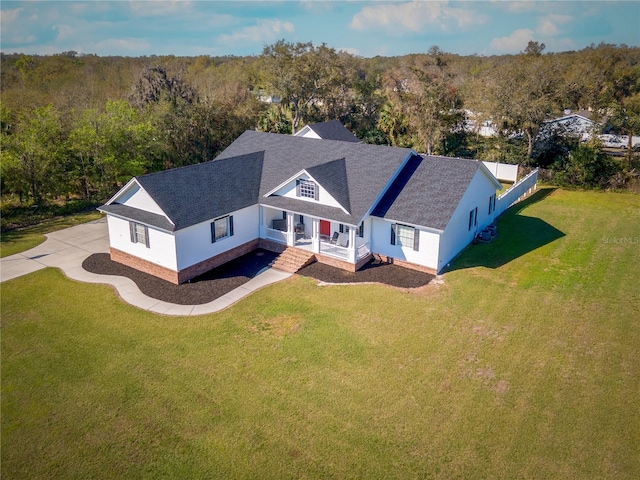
(293, 259)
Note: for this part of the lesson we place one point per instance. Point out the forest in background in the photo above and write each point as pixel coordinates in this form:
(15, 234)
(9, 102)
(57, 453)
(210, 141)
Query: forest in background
(74, 128)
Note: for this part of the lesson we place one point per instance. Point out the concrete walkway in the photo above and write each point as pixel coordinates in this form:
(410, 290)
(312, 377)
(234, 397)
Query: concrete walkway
(67, 249)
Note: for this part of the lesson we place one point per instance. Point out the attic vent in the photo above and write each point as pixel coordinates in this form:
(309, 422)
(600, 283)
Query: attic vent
(307, 189)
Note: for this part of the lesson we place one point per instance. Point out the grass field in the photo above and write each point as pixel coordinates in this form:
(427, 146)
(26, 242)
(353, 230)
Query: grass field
(524, 363)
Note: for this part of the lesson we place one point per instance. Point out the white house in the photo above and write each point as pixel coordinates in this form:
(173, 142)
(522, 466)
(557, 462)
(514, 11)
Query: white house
(578, 124)
(338, 202)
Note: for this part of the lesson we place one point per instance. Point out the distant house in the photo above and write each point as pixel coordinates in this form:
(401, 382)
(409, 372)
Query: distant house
(579, 124)
(478, 125)
(331, 130)
(336, 201)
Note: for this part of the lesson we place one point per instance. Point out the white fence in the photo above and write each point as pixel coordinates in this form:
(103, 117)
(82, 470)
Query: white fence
(503, 171)
(516, 192)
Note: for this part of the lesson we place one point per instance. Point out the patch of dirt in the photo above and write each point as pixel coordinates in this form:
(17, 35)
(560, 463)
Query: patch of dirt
(373, 272)
(202, 289)
(279, 326)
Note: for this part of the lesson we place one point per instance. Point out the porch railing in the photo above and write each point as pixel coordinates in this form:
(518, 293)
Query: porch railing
(343, 252)
(334, 250)
(363, 251)
(277, 235)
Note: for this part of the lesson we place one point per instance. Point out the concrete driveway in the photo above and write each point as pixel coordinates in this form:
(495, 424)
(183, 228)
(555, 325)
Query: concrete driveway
(67, 249)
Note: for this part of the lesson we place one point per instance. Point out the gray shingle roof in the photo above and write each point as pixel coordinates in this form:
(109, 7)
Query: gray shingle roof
(428, 191)
(197, 193)
(138, 215)
(368, 168)
(333, 130)
(332, 176)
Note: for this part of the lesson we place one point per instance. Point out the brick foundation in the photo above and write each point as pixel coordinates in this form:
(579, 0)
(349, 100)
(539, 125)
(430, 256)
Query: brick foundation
(402, 263)
(144, 265)
(213, 262)
(271, 246)
(186, 273)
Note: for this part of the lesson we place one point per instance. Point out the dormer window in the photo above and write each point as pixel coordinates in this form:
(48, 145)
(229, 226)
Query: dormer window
(306, 189)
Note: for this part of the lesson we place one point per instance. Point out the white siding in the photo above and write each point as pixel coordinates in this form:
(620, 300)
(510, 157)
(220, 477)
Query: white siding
(456, 235)
(136, 197)
(194, 244)
(324, 197)
(161, 249)
(427, 254)
(307, 132)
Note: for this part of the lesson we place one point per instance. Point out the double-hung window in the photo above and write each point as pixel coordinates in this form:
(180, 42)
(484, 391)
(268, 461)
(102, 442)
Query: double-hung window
(405, 236)
(307, 189)
(221, 228)
(139, 233)
(492, 203)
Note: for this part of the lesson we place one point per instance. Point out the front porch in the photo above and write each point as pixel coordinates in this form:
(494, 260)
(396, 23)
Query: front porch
(331, 242)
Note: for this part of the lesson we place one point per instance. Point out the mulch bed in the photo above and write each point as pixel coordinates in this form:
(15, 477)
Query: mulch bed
(219, 281)
(202, 289)
(373, 272)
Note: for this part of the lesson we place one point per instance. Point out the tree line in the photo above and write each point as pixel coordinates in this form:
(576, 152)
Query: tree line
(79, 126)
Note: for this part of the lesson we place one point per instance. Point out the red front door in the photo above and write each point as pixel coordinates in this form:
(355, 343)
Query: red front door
(325, 228)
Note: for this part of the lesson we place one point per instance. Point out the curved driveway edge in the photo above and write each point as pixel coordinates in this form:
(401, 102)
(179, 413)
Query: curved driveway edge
(67, 249)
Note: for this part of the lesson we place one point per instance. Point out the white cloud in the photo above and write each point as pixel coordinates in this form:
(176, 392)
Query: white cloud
(153, 8)
(560, 44)
(120, 45)
(350, 50)
(317, 5)
(65, 32)
(8, 17)
(264, 31)
(548, 25)
(516, 42)
(547, 28)
(518, 7)
(557, 18)
(413, 16)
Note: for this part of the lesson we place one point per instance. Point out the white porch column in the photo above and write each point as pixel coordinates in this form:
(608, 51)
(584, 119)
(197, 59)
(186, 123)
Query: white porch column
(291, 231)
(261, 229)
(315, 237)
(351, 253)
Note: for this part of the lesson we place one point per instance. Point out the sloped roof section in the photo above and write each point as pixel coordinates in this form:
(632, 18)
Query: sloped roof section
(368, 168)
(427, 191)
(138, 215)
(197, 193)
(333, 130)
(333, 177)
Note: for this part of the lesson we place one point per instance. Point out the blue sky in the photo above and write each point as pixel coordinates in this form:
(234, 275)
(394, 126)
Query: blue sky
(367, 29)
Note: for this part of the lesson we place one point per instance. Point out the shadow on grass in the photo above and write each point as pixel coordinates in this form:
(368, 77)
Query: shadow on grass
(517, 235)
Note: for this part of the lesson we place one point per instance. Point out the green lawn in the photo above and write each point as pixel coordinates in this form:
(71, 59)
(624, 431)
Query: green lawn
(19, 240)
(524, 363)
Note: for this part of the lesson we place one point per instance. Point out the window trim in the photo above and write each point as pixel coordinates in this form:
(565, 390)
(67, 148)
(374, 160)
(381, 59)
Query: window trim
(307, 189)
(395, 236)
(473, 218)
(135, 234)
(229, 228)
